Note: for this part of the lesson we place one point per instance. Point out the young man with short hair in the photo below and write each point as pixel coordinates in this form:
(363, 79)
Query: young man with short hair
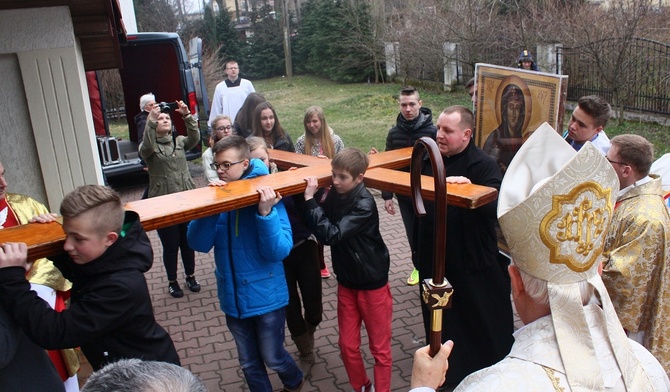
(413, 122)
(230, 94)
(108, 252)
(588, 123)
(637, 247)
(348, 222)
(249, 246)
(480, 321)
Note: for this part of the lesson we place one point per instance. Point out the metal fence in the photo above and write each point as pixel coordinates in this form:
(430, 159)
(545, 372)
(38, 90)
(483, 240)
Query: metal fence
(633, 73)
(503, 52)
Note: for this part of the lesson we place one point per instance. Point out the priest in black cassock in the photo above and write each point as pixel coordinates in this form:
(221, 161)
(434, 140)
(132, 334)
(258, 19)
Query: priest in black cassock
(480, 321)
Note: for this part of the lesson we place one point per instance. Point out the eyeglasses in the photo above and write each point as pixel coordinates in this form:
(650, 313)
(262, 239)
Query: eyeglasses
(620, 163)
(221, 129)
(224, 166)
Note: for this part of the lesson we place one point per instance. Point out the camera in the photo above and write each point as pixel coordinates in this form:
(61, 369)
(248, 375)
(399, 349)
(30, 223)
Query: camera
(168, 107)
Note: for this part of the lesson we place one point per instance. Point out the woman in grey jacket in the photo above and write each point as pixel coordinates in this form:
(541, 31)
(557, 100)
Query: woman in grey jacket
(165, 156)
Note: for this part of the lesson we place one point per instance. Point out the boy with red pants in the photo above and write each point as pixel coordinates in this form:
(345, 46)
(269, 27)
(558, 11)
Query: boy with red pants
(348, 222)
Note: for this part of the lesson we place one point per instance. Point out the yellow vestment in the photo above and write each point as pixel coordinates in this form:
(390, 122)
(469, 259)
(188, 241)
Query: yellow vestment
(43, 271)
(636, 271)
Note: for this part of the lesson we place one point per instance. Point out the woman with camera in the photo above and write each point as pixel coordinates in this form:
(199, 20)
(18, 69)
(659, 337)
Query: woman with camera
(165, 156)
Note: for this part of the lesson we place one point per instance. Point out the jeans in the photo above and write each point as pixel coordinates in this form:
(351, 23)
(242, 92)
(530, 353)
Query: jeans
(260, 342)
(375, 309)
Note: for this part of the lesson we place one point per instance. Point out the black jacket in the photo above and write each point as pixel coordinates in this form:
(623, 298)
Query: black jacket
(284, 144)
(471, 237)
(480, 317)
(406, 133)
(23, 365)
(349, 223)
(110, 315)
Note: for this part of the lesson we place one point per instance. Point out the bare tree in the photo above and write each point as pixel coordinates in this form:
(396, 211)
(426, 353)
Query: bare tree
(607, 38)
(366, 32)
(111, 86)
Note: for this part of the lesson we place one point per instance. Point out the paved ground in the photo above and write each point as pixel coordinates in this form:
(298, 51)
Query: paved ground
(206, 347)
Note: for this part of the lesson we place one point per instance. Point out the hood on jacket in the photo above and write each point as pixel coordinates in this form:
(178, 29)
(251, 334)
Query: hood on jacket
(132, 251)
(256, 169)
(424, 119)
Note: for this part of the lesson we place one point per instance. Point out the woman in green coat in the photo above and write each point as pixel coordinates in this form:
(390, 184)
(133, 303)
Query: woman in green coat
(165, 157)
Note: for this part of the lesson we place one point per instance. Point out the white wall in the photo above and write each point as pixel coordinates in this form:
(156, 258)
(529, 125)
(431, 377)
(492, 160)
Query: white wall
(128, 15)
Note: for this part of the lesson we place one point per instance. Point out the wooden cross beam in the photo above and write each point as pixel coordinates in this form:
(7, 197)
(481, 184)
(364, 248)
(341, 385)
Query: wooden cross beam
(44, 240)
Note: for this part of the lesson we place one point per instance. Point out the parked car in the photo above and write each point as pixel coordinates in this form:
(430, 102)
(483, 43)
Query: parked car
(156, 63)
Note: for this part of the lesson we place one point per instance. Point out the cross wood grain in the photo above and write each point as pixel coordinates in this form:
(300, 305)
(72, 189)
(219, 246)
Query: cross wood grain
(44, 240)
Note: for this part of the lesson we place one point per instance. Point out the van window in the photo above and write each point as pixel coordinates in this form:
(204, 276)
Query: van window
(151, 68)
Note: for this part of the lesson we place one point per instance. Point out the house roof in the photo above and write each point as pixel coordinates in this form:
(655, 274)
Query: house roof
(98, 26)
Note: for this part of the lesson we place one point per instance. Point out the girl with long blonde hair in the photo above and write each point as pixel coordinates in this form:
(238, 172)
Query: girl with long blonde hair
(319, 139)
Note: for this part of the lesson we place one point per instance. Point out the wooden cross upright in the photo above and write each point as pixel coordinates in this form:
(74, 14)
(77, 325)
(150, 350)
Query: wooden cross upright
(44, 240)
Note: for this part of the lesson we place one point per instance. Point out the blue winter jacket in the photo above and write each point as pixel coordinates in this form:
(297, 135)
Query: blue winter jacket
(248, 252)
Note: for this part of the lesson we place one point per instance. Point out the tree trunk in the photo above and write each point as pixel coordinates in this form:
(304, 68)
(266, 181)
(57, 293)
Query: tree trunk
(285, 21)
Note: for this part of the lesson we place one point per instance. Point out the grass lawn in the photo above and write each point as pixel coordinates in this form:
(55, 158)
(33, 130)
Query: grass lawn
(361, 114)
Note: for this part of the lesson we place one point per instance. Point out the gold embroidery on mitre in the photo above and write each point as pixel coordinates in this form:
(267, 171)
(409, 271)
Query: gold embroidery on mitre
(575, 225)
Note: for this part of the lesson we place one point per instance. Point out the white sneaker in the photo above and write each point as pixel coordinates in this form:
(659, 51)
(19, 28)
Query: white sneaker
(365, 389)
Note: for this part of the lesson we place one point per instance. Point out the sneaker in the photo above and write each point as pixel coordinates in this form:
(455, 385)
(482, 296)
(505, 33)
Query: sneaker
(192, 284)
(413, 278)
(367, 388)
(325, 274)
(175, 290)
(296, 389)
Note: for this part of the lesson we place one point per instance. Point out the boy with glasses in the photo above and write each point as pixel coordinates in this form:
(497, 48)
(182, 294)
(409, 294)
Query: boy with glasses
(637, 247)
(249, 246)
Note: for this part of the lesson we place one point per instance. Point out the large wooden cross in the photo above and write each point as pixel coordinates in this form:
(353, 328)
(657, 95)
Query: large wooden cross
(44, 240)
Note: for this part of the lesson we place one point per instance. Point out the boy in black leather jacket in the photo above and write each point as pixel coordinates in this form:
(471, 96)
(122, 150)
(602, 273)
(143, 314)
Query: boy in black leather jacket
(348, 221)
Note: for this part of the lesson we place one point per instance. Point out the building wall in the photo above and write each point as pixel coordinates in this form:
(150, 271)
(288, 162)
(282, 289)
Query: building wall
(49, 117)
(18, 150)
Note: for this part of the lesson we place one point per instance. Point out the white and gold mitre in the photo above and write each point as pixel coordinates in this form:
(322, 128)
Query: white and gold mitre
(554, 207)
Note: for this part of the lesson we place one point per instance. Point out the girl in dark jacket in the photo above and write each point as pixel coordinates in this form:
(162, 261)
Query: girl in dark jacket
(266, 125)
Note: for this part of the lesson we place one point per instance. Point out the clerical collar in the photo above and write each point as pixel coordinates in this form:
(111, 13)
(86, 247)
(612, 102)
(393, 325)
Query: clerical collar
(630, 187)
(236, 83)
(460, 153)
(578, 145)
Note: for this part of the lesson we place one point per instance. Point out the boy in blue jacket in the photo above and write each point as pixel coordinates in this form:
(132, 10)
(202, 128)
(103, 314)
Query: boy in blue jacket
(348, 221)
(249, 246)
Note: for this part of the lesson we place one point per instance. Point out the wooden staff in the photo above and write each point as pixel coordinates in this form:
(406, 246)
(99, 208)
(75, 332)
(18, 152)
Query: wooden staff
(436, 290)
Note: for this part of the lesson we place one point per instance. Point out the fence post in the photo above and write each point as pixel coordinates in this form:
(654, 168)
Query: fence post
(546, 57)
(392, 54)
(450, 65)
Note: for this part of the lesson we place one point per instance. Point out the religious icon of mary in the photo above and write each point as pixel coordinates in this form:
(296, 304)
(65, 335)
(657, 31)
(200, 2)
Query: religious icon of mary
(514, 102)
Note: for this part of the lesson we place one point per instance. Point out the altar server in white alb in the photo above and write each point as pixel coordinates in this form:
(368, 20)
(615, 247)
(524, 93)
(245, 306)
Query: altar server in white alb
(554, 208)
(230, 94)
